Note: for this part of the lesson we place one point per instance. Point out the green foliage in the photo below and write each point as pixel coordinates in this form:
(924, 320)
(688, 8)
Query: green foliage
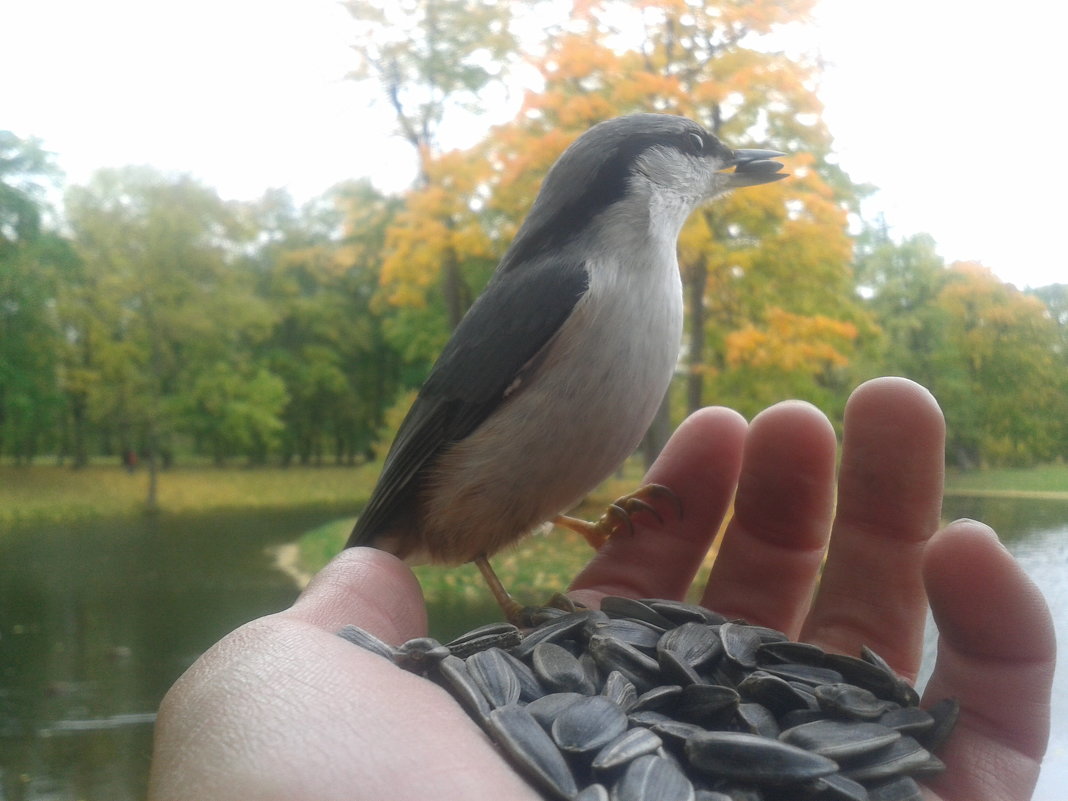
(170, 323)
(993, 356)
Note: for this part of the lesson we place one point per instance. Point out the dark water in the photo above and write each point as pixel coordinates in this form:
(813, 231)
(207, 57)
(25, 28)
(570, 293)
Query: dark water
(97, 621)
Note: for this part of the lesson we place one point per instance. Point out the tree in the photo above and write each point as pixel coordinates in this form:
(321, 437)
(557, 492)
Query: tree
(159, 302)
(319, 269)
(32, 261)
(430, 57)
(1008, 408)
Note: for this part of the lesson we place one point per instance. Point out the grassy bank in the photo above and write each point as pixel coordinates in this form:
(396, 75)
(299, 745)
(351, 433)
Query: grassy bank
(50, 493)
(1046, 481)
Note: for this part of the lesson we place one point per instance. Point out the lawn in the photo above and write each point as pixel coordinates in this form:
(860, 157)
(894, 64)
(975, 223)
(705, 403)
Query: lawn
(1045, 479)
(43, 493)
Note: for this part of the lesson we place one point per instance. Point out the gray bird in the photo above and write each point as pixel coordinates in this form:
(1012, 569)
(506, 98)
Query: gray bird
(553, 376)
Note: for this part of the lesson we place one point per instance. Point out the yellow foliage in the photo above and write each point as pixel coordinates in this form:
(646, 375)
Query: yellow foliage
(791, 342)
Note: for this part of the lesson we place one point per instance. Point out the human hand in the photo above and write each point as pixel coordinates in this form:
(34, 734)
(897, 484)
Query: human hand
(283, 708)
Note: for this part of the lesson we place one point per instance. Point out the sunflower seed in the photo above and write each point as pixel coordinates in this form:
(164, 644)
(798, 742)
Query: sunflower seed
(619, 688)
(679, 612)
(500, 635)
(366, 640)
(632, 744)
(633, 632)
(527, 744)
(653, 777)
(493, 674)
(558, 670)
(839, 739)
(708, 705)
(837, 787)
(454, 673)
(751, 758)
(611, 654)
(588, 725)
(757, 719)
(593, 792)
(740, 643)
(562, 628)
(658, 699)
(420, 654)
(850, 701)
(903, 756)
(900, 789)
(619, 607)
(546, 709)
(806, 674)
(907, 719)
(945, 714)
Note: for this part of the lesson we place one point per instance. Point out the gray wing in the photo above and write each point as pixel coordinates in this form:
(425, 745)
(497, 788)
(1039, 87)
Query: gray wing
(519, 312)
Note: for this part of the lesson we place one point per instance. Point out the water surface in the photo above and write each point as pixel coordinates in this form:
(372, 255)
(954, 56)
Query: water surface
(99, 619)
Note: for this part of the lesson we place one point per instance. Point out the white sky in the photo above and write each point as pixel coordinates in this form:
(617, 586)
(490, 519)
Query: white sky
(954, 108)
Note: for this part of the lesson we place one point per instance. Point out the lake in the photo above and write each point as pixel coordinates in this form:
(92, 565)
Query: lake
(97, 621)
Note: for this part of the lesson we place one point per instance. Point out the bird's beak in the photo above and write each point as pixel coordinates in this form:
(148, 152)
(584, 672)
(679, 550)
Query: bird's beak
(753, 167)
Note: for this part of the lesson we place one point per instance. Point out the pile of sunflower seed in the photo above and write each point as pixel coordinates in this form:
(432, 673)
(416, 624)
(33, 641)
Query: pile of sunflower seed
(667, 701)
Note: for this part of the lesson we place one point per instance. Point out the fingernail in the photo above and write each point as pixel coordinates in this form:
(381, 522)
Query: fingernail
(978, 526)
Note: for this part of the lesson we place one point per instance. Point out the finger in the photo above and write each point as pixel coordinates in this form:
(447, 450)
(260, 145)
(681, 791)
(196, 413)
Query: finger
(996, 653)
(700, 465)
(771, 553)
(368, 588)
(889, 500)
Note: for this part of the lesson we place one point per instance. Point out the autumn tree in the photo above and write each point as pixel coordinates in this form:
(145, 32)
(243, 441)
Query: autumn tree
(769, 287)
(431, 58)
(1008, 405)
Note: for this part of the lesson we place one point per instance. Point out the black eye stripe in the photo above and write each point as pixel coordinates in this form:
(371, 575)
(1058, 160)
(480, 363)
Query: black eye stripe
(697, 142)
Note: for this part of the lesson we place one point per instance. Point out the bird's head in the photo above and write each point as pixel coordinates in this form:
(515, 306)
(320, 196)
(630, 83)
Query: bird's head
(653, 159)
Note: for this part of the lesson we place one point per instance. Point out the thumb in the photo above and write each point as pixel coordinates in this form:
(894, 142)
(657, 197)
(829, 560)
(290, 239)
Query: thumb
(366, 587)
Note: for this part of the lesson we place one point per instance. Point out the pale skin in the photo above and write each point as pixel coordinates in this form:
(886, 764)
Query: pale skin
(282, 708)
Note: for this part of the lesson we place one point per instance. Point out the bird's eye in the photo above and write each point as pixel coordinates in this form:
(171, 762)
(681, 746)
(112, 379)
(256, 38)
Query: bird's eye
(697, 143)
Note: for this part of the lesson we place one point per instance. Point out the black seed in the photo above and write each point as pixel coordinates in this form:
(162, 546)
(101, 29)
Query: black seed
(546, 709)
(632, 744)
(366, 640)
(839, 739)
(945, 714)
(901, 757)
(493, 674)
(740, 643)
(558, 670)
(500, 635)
(751, 758)
(588, 725)
(653, 777)
(531, 749)
(619, 607)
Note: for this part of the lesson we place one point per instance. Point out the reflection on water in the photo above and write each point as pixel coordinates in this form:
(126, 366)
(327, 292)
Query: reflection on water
(97, 622)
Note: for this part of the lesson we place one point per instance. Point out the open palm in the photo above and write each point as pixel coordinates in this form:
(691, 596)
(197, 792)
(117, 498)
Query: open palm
(284, 709)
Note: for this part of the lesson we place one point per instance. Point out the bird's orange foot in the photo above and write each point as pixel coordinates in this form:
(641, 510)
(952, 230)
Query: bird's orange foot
(617, 517)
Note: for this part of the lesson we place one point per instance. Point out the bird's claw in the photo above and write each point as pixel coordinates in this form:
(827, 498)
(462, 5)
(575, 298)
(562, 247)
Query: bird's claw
(617, 517)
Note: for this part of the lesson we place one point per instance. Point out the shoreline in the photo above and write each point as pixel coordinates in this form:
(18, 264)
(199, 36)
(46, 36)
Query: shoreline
(287, 559)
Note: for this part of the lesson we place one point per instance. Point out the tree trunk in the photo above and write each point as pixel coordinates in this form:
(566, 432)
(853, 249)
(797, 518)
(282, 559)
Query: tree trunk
(695, 300)
(659, 432)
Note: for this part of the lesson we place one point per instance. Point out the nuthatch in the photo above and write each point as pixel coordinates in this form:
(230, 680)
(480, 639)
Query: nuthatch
(553, 376)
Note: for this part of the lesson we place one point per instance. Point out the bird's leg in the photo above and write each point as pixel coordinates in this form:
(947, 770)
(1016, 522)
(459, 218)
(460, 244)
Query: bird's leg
(512, 609)
(515, 612)
(616, 517)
